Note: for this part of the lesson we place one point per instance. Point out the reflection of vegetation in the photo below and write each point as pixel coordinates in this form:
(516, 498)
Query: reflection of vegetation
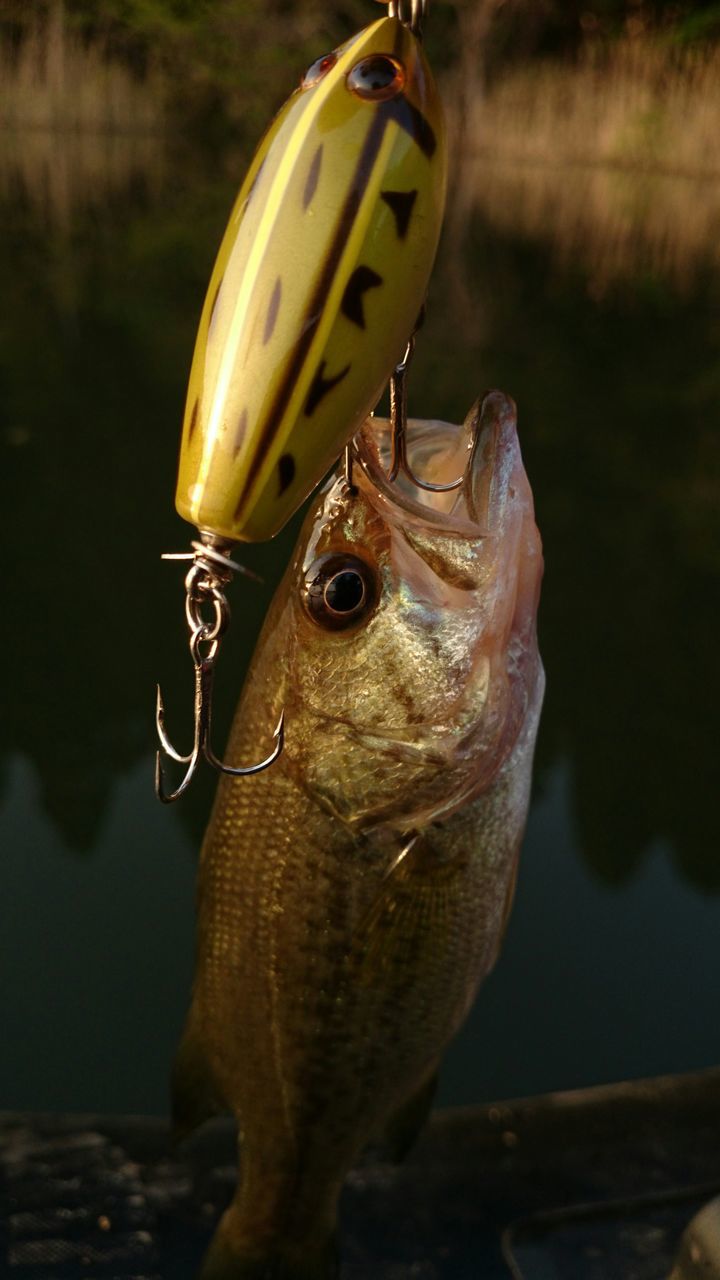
(616, 224)
(133, 63)
(95, 341)
(635, 103)
(618, 396)
(60, 179)
(53, 78)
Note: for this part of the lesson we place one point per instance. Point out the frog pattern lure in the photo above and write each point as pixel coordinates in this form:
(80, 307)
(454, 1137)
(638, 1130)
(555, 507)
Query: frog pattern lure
(318, 284)
(315, 294)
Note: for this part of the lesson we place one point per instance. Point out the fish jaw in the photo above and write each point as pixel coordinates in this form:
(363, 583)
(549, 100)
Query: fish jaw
(409, 715)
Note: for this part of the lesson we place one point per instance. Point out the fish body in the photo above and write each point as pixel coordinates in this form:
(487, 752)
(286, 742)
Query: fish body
(352, 898)
(318, 283)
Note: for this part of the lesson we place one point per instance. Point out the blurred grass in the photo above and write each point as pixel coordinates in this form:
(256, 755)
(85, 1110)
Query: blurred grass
(614, 160)
(616, 225)
(214, 68)
(637, 103)
(55, 79)
(612, 157)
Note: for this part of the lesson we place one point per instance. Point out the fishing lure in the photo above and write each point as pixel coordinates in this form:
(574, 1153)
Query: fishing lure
(314, 297)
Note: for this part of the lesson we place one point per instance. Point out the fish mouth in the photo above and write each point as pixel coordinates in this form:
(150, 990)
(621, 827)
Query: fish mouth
(467, 457)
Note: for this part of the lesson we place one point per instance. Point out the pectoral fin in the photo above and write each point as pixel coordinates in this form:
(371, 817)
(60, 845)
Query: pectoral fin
(412, 910)
(404, 1125)
(195, 1097)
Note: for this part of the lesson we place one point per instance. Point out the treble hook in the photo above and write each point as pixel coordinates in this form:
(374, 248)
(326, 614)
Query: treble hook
(398, 425)
(412, 13)
(211, 570)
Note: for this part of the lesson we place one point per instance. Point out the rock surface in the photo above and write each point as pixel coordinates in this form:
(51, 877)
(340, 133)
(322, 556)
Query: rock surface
(594, 1185)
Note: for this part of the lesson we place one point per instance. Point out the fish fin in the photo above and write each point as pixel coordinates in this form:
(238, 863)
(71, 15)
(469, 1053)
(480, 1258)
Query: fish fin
(195, 1097)
(414, 903)
(227, 1259)
(403, 1127)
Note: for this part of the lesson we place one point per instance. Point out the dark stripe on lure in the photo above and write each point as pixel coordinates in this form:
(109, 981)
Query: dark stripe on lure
(320, 387)
(240, 433)
(313, 177)
(193, 419)
(411, 119)
(348, 214)
(272, 312)
(402, 204)
(286, 472)
(362, 279)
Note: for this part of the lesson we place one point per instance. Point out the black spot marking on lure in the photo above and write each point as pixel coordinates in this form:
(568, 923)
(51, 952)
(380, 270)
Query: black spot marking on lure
(358, 184)
(409, 118)
(272, 312)
(313, 177)
(402, 204)
(320, 387)
(240, 433)
(362, 278)
(286, 472)
(193, 419)
(214, 304)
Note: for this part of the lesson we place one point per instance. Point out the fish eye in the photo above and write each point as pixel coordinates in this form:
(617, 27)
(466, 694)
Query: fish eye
(377, 78)
(318, 70)
(340, 591)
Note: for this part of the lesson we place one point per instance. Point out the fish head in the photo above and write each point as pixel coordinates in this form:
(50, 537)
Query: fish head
(409, 624)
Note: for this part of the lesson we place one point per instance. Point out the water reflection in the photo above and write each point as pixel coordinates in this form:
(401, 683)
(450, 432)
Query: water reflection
(618, 388)
(60, 176)
(614, 223)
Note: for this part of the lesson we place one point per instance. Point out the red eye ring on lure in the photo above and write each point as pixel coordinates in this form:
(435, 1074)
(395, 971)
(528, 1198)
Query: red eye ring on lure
(318, 70)
(340, 591)
(377, 78)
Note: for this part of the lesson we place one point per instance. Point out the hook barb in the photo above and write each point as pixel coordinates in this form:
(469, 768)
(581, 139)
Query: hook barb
(246, 771)
(165, 742)
(202, 746)
(398, 421)
(210, 571)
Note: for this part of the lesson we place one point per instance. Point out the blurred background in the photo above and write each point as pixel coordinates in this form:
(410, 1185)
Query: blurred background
(580, 272)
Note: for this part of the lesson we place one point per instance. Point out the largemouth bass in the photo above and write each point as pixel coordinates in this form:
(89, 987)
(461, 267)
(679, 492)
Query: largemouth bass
(352, 898)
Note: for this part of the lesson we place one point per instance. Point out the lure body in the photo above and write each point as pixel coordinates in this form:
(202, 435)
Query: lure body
(318, 284)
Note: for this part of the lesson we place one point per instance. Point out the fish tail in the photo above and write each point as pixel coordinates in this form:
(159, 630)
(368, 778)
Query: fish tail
(232, 1258)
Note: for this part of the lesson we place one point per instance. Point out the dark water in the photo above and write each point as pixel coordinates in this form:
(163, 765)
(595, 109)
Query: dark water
(610, 968)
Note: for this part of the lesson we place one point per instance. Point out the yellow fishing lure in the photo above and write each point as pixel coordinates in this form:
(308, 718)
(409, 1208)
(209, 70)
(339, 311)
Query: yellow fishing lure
(318, 283)
(317, 289)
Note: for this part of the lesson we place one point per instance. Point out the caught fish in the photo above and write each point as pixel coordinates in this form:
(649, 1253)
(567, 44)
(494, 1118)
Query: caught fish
(352, 898)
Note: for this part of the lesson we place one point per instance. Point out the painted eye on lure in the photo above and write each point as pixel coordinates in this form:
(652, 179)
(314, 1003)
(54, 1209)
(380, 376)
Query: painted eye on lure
(318, 70)
(340, 591)
(377, 79)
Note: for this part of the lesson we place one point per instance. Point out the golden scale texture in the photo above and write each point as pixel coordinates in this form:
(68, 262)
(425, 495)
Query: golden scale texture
(352, 897)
